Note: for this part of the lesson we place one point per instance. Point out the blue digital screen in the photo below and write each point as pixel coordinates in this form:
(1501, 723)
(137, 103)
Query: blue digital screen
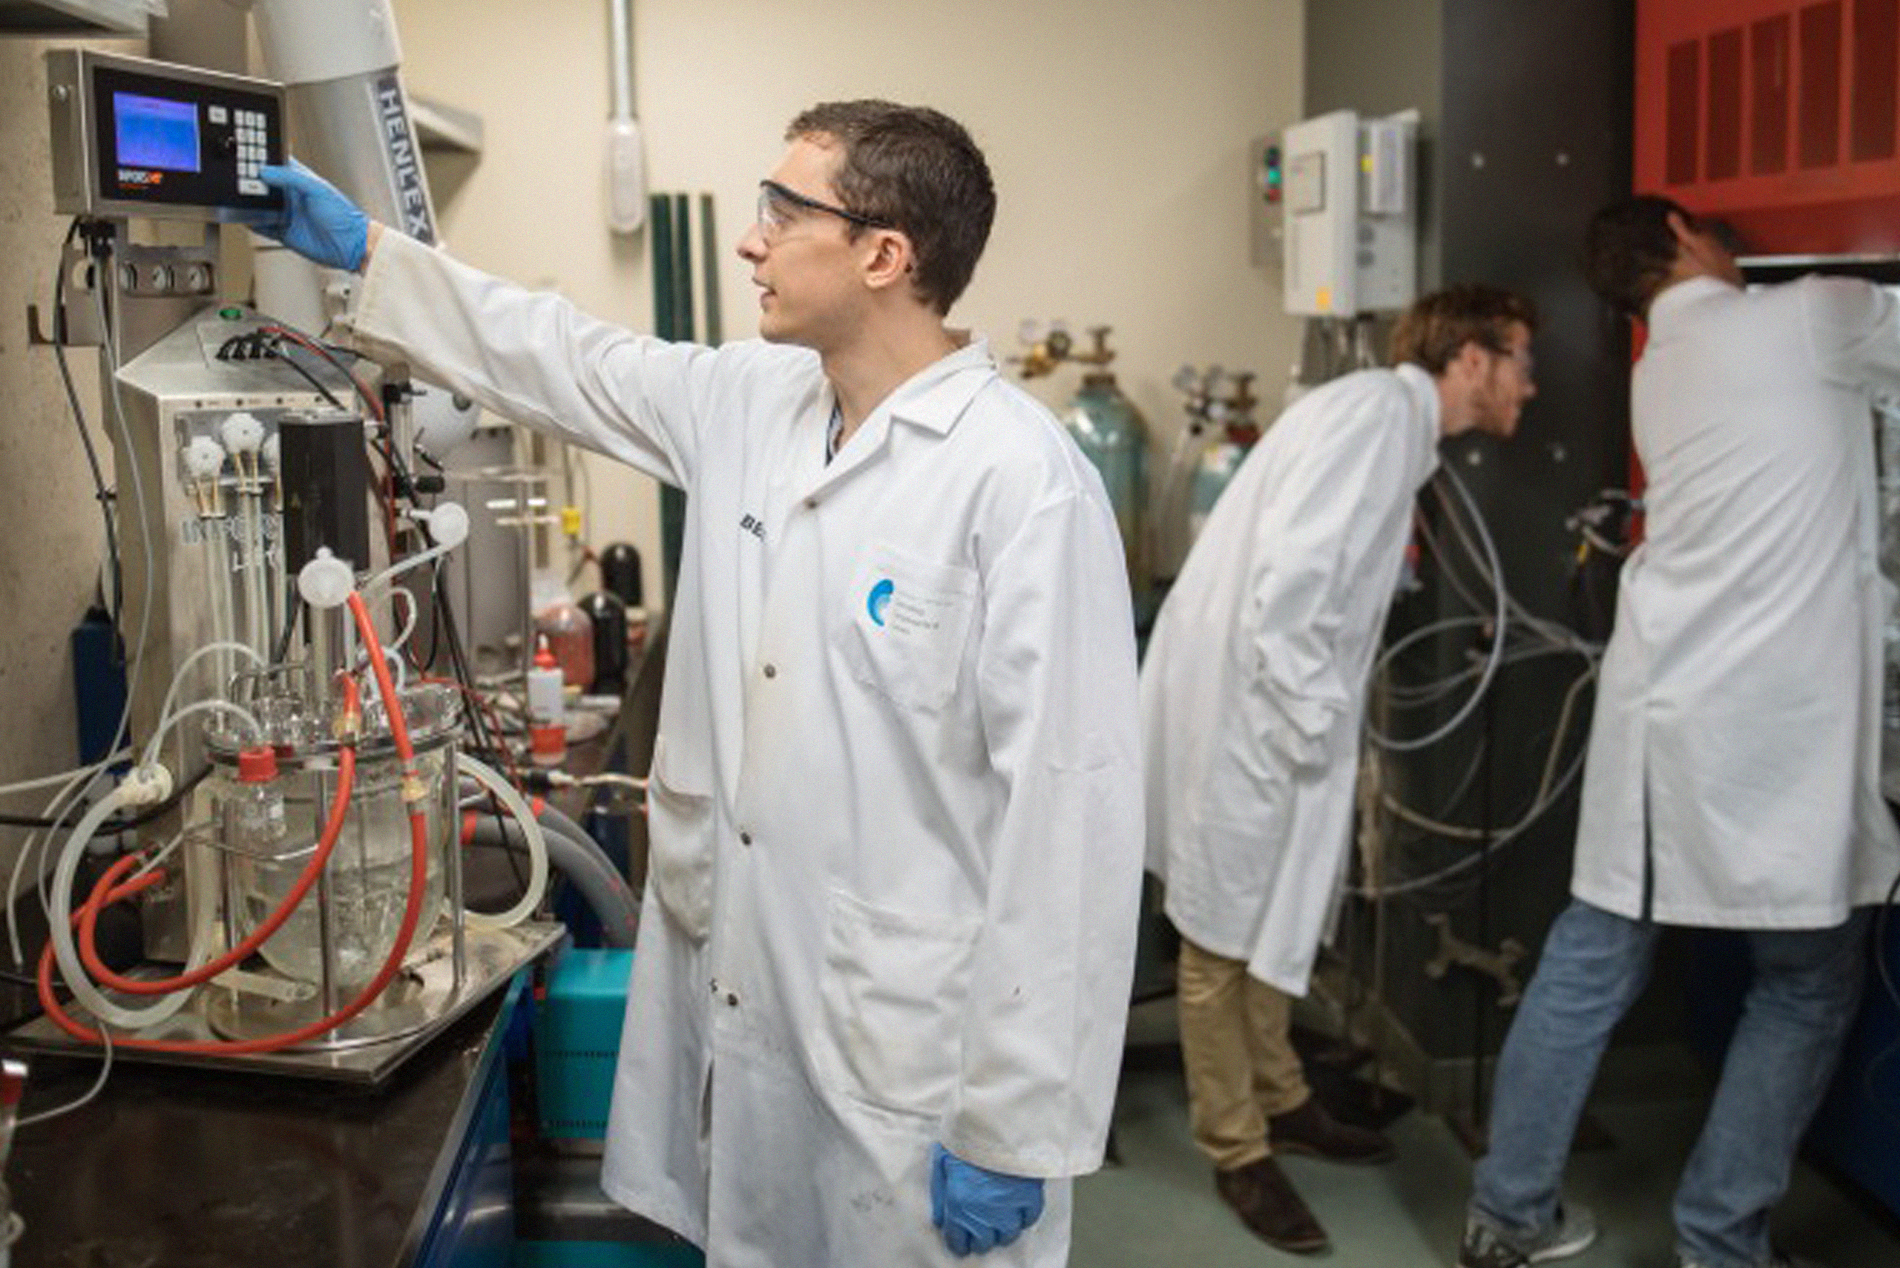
(154, 132)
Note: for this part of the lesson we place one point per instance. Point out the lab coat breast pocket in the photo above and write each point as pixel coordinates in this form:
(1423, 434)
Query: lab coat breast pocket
(680, 828)
(893, 989)
(909, 620)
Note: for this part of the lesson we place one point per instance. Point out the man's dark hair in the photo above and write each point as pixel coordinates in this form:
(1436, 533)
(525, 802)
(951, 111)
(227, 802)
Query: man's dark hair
(1629, 250)
(1438, 326)
(917, 171)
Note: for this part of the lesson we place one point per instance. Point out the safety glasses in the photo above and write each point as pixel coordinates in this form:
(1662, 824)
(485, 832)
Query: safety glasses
(779, 207)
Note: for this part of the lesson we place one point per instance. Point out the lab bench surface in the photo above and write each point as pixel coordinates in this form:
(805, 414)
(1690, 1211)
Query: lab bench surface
(179, 1168)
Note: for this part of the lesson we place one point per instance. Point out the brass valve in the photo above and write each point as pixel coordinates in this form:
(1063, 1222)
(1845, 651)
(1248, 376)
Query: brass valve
(1047, 351)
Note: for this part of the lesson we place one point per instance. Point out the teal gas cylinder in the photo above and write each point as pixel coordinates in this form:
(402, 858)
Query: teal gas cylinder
(1215, 471)
(1110, 432)
(1220, 460)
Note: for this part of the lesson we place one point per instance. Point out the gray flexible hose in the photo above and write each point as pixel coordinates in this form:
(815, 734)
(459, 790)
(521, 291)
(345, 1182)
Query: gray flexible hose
(554, 819)
(578, 857)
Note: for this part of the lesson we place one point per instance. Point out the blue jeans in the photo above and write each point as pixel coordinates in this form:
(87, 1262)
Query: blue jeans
(1795, 1018)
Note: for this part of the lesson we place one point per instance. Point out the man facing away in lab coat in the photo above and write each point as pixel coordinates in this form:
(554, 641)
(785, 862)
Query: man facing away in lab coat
(1252, 699)
(887, 936)
(1732, 779)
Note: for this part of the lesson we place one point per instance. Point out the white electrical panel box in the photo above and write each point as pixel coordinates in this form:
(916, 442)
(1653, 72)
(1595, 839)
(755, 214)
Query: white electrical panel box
(1350, 208)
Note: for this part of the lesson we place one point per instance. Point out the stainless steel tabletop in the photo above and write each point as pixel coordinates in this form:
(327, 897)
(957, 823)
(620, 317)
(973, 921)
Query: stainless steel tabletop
(182, 1168)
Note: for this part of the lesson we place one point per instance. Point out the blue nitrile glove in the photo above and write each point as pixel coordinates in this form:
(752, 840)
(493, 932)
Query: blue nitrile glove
(979, 1209)
(317, 221)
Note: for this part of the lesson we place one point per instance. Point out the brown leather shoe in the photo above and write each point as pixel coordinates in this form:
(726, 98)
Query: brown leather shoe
(1265, 1200)
(1311, 1131)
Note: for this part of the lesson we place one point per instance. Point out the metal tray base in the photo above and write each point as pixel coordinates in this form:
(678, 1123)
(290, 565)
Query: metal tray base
(425, 1005)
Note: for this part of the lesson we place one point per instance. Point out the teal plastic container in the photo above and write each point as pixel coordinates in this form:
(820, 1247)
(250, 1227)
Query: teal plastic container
(577, 1041)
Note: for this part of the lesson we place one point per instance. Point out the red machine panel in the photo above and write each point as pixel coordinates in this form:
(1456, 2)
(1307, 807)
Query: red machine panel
(1783, 118)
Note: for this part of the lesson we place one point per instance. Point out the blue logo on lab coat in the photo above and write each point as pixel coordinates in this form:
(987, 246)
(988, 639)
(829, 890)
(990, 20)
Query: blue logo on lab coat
(880, 598)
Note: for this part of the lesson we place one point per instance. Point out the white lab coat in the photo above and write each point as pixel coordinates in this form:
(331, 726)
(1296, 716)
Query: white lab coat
(894, 806)
(1253, 690)
(1740, 694)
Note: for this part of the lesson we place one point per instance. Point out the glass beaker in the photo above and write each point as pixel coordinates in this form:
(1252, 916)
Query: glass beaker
(365, 887)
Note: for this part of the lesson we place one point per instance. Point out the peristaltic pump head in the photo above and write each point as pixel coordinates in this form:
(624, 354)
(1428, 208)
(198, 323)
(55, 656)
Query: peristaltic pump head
(203, 458)
(241, 432)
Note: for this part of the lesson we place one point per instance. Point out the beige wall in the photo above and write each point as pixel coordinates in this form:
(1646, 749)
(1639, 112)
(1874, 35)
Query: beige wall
(1117, 132)
(51, 539)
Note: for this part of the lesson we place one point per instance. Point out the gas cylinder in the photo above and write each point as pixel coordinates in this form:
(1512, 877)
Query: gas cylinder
(1111, 433)
(1219, 461)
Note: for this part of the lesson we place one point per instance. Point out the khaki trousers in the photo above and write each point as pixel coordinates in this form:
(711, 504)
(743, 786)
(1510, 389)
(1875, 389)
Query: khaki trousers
(1241, 1067)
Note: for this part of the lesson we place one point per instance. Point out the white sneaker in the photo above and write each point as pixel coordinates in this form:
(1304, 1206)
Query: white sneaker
(1482, 1247)
(1576, 1229)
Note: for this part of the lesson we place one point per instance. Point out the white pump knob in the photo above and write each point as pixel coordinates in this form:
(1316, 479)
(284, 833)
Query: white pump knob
(242, 433)
(326, 581)
(204, 458)
(273, 452)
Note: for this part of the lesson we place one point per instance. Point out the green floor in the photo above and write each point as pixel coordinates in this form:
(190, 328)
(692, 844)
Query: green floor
(1159, 1207)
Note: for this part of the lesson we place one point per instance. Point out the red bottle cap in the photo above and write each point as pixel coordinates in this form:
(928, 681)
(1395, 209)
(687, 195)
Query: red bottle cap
(257, 765)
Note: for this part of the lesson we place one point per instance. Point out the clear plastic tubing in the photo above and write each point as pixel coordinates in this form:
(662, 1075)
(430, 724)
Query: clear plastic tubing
(531, 832)
(67, 952)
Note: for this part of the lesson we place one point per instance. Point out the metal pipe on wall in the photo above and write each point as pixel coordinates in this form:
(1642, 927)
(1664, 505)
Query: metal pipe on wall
(626, 162)
(621, 16)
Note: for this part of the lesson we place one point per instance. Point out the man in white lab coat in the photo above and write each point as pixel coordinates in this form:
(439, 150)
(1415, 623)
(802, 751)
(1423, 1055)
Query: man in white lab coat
(1252, 698)
(1733, 771)
(887, 936)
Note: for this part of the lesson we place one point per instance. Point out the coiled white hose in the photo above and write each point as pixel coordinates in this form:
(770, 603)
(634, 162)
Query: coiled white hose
(66, 951)
(531, 833)
(1492, 659)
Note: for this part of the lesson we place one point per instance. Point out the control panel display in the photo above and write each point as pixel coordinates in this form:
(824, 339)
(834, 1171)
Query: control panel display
(161, 140)
(154, 132)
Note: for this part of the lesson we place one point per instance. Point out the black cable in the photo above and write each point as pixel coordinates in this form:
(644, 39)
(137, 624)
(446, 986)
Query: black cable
(458, 668)
(335, 349)
(112, 826)
(495, 745)
(405, 482)
(294, 609)
(309, 342)
(435, 626)
(459, 663)
(308, 377)
(164, 807)
(100, 492)
(504, 843)
(400, 486)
